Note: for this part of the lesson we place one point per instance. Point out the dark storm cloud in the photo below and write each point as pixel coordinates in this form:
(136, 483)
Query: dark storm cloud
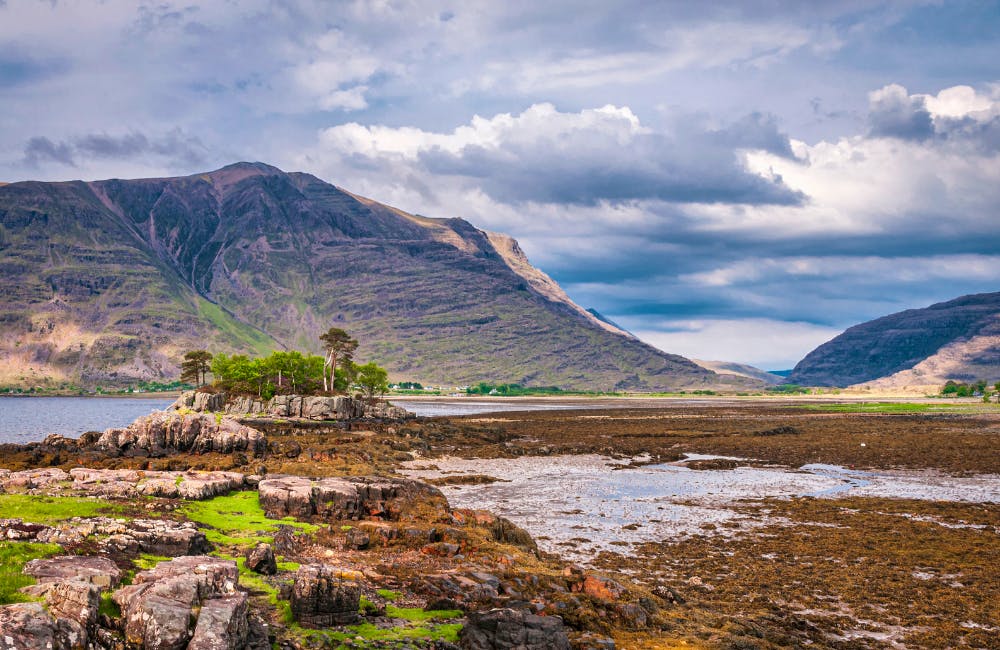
(174, 146)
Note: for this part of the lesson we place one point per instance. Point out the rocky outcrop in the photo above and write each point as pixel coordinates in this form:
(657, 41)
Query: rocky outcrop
(344, 498)
(290, 406)
(162, 432)
(164, 606)
(509, 629)
(322, 596)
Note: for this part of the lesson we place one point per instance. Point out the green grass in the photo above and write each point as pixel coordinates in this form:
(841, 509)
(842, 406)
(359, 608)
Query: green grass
(388, 594)
(418, 615)
(109, 607)
(147, 561)
(52, 510)
(893, 407)
(13, 557)
(237, 519)
(369, 632)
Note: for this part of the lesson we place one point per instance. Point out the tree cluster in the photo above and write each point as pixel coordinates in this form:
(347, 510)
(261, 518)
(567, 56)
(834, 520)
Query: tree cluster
(289, 371)
(971, 389)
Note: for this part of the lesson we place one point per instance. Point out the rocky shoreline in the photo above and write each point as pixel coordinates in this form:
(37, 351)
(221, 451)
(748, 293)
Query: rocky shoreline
(228, 559)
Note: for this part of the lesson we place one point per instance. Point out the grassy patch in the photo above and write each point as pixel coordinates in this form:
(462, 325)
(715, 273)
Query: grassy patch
(237, 519)
(147, 561)
(388, 594)
(418, 615)
(892, 407)
(369, 632)
(13, 557)
(52, 510)
(108, 607)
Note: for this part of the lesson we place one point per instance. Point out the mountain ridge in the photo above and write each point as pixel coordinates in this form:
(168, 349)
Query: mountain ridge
(109, 281)
(958, 339)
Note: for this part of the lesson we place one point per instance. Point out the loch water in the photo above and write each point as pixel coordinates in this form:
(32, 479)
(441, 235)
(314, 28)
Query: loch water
(30, 419)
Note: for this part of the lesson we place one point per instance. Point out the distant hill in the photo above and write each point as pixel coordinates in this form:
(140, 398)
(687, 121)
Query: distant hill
(741, 370)
(958, 339)
(109, 282)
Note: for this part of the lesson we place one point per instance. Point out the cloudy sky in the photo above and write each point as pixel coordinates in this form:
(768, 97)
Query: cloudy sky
(729, 180)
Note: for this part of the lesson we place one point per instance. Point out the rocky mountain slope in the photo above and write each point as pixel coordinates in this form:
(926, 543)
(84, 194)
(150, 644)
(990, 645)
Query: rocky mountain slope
(958, 339)
(110, 281)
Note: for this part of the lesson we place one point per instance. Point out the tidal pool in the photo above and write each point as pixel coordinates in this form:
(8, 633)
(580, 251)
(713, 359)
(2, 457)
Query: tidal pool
(580, 505)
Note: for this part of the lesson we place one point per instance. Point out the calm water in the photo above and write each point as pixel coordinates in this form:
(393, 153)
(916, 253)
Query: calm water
(27, 419)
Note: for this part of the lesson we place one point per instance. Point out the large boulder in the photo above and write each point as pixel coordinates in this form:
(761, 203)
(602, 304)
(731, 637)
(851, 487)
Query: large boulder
(322, 596)
(183, 432)
(260, 559)
(509, 629)
(162, 606)
(223, 624)
(344, 498)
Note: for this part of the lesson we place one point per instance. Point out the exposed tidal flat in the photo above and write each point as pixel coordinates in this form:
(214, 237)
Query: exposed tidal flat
(29, 419)
(580, 505)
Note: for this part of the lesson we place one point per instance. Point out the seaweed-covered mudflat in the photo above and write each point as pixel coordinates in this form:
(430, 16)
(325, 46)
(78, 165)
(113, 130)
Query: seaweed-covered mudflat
(773, 525)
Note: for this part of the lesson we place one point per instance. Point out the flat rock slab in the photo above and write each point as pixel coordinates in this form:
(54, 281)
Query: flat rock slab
(126, 483)
(96, 570)
(344, 498)
(156, 536)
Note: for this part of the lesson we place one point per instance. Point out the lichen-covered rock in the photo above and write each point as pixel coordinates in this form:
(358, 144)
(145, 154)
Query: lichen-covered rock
(162, 604)
(222, 624)
(260, 559)
(93, 569)
(27, 626)
(344, 498)
(31, 479)
(508, 629)
(187, 432)
(322, 596)
(73, 604)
